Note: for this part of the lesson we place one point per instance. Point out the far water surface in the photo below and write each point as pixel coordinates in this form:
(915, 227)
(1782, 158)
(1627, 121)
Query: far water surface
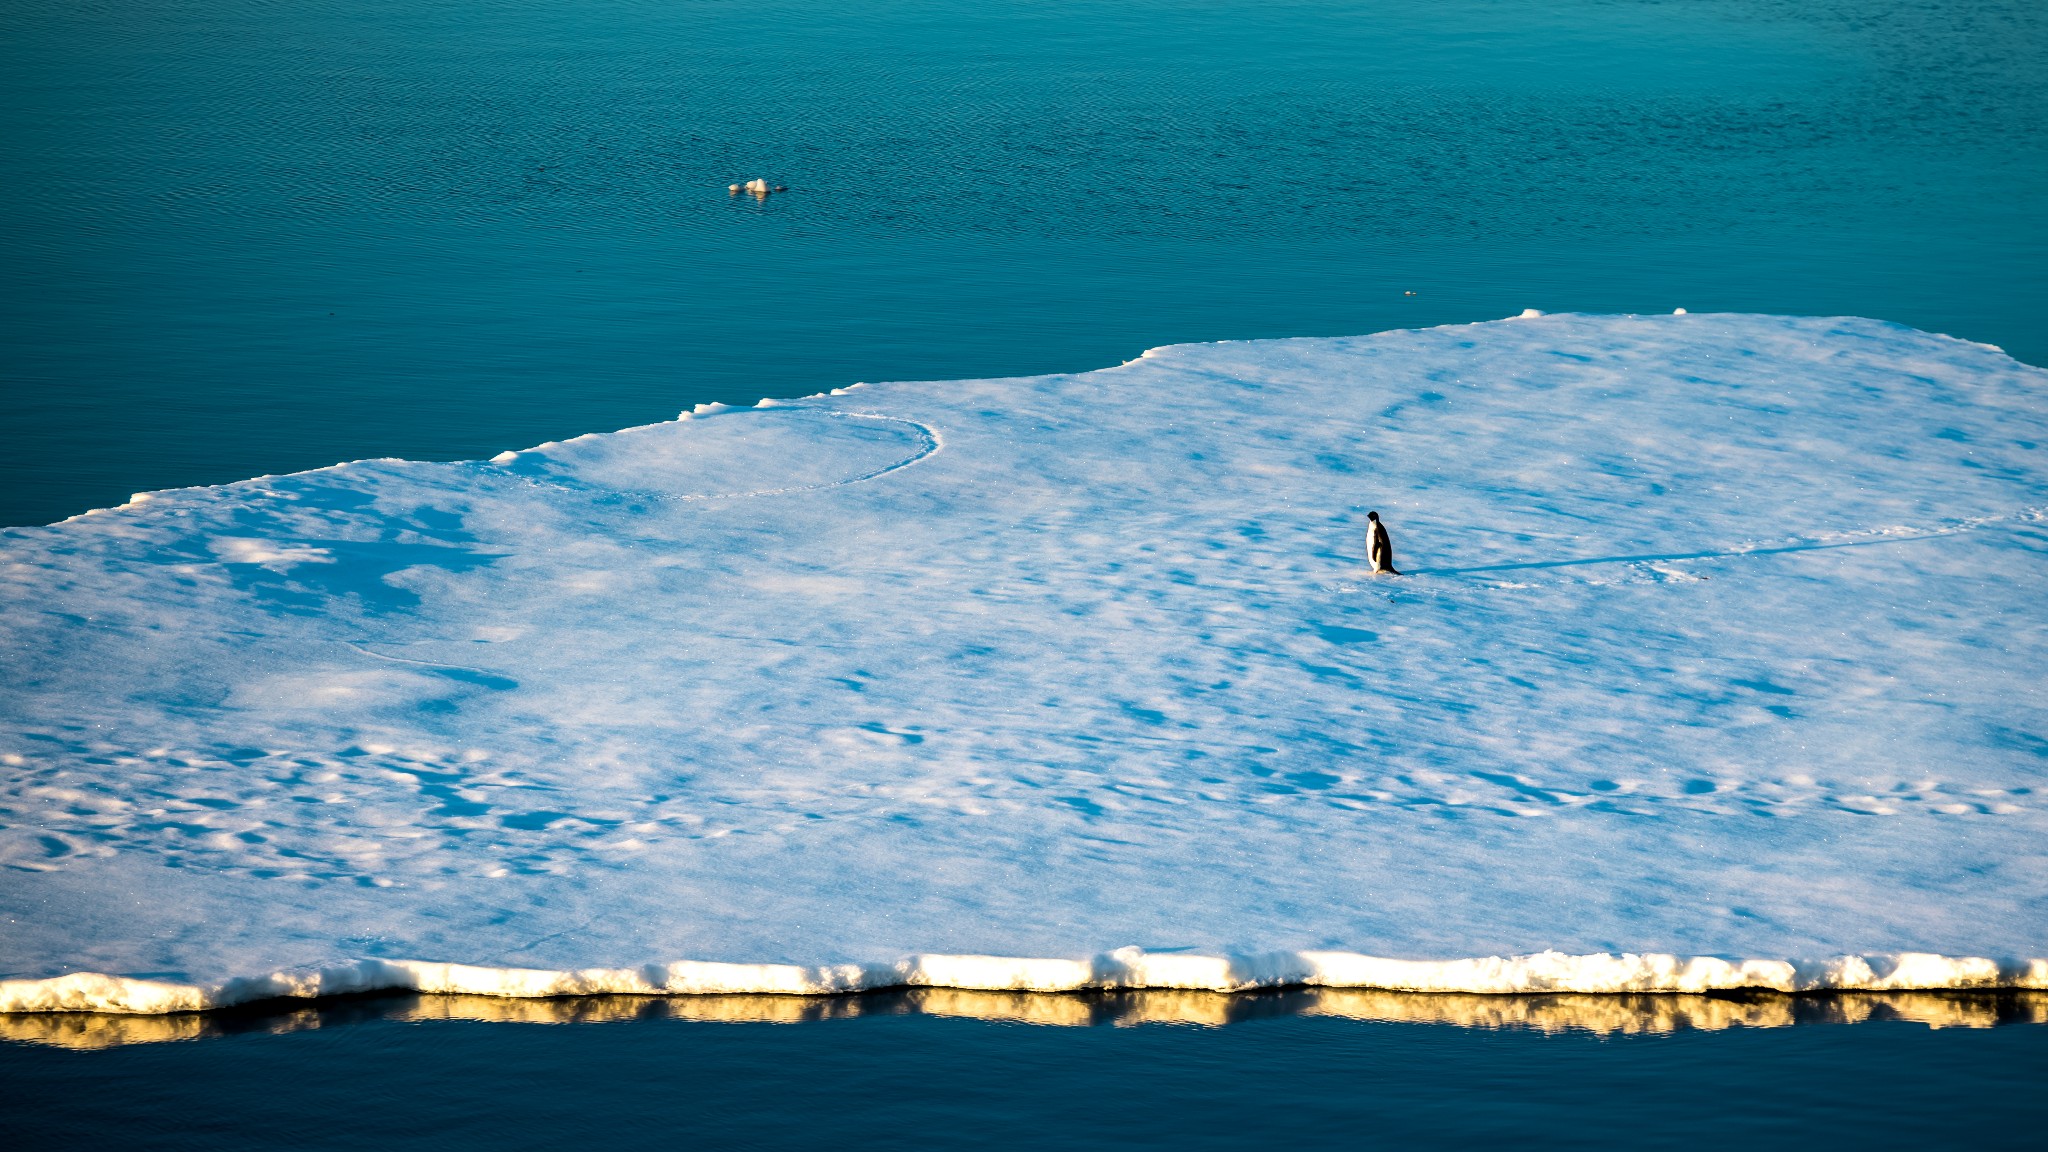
(246, 237)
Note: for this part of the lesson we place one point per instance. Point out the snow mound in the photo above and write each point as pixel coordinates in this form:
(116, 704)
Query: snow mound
(1722, 637)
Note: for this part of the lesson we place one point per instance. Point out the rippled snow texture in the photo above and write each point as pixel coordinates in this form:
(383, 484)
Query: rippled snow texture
(1722, 636)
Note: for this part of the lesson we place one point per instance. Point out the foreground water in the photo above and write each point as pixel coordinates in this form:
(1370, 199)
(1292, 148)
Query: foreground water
(245, 239)
(1296, 1069)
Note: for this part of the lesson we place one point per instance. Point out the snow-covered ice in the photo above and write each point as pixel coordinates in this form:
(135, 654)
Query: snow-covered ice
(1719, 664)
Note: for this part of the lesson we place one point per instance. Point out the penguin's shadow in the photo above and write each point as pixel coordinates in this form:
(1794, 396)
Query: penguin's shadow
(1655, 556)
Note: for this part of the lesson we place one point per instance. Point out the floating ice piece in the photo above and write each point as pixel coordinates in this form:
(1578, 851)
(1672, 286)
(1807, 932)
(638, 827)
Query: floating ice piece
(984, 670)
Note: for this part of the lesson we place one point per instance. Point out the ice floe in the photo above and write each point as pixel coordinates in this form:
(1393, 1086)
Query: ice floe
(1722, 639)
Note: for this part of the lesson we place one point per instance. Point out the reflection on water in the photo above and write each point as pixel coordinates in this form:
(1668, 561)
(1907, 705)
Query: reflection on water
(1603, 1015)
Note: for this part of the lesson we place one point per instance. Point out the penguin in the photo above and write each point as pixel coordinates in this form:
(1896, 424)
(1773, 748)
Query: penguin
(1379, 547)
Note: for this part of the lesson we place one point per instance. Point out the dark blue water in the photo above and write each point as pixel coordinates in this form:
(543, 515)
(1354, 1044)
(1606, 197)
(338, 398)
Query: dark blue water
(244, 236)
(377, 1075)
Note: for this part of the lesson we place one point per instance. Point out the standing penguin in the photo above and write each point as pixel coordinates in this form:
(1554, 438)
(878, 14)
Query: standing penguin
(1379, 547)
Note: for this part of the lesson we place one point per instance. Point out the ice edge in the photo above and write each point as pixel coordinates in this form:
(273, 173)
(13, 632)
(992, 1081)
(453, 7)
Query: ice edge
(719, 407)
(1124, 968)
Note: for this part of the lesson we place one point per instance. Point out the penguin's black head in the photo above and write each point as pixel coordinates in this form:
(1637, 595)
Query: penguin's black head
(1372, 515)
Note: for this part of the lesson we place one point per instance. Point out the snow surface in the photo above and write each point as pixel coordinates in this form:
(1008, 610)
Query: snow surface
(1719, 664)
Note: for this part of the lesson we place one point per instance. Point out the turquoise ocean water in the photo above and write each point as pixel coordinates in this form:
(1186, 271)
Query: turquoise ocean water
(247, 237)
